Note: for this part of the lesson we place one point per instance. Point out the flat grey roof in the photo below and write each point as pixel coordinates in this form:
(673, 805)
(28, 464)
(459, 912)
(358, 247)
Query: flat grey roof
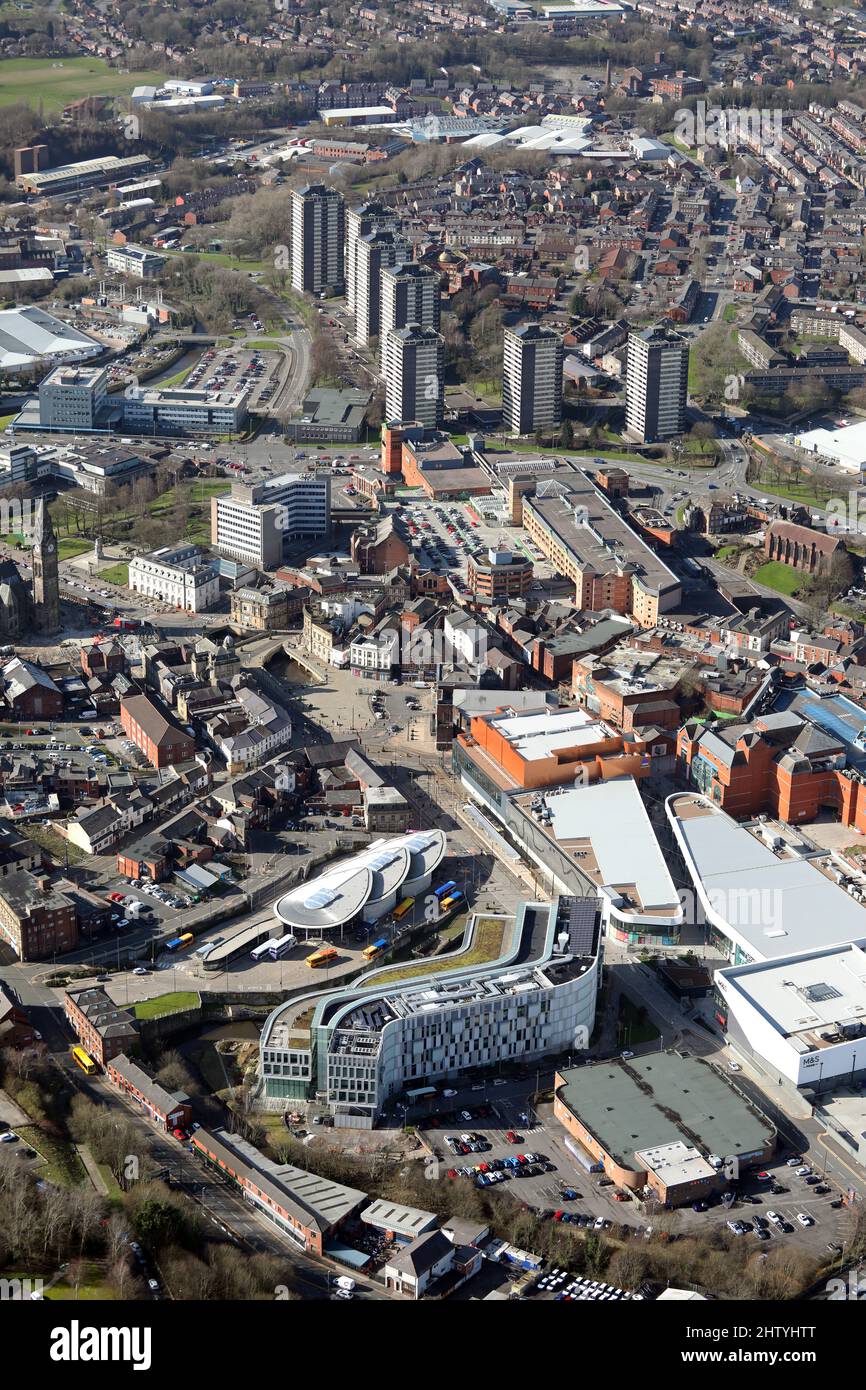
(328, 1201)
(571, 507)
(659, 1099)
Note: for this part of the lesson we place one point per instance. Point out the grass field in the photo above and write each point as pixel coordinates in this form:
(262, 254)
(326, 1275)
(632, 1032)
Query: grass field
(70, 546)
(62, 1165)
(56, 845)
(166, 383)
(172, 1003)
(779, 577)
(116, 574)
(224, 258)
(803, 489)
(55, 82)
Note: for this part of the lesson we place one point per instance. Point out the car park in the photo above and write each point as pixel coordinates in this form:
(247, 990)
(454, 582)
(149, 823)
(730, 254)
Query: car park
(804, 1219)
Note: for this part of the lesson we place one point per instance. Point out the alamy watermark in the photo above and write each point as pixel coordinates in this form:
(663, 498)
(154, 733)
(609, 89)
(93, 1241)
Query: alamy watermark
(850, 1289)
(18, 515)
(423, 649)
(847, 513)
(729, 127)
(738, 907)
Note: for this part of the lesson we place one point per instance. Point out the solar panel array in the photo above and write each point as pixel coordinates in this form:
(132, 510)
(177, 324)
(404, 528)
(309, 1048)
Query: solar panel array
(578, 916)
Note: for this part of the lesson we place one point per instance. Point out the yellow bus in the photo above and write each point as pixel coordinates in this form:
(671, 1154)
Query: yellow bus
(326, 956)
(84, 1060)
(376, 949)
(402, 908)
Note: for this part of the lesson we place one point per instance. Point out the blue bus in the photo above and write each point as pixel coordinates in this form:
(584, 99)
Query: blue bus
(375, 948)
(445, 889)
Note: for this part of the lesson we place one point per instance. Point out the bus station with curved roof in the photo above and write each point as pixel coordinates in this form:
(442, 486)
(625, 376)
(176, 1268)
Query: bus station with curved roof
(368, 884)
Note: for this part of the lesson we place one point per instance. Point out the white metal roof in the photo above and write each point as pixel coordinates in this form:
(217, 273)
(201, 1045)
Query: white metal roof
(537, 735)
(777, 907)
(612, 816)
(802, 994)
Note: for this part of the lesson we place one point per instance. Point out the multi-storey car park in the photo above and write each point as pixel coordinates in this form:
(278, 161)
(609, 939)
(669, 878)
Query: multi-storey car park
(590, 543)
(518, 988)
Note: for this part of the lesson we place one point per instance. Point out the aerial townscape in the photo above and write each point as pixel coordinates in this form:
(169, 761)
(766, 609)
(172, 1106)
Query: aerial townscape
(433, 659)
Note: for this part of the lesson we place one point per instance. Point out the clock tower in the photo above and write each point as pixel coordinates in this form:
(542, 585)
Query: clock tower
(46, 581)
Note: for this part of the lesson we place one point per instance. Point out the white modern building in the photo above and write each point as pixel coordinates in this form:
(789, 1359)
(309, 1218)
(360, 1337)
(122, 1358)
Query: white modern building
(317, 240)
(176, 575)
(532, 990)
(413, 363)
(138, 261)
(844, 447)
(800, 1017)
(30, 337)
(365, 886)
(656, 385)
(255, 523)
(532, 359)
(180, 411)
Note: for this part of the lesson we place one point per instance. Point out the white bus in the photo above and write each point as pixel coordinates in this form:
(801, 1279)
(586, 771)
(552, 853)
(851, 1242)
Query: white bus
(260, 952)
(282, 946)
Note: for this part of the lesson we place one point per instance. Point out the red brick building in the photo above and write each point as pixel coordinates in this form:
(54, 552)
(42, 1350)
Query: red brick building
(153, 731)
(36, 922)
(103, 1029)
(103, 659)
(170, 1109)
(306, 1207)
(778, 763)
(813, 552)
(378, 548)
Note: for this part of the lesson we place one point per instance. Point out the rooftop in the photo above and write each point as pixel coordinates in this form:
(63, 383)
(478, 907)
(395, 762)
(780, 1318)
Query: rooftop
(339, 894)
(537, 735)
(772, 905)
(30, 333)
(606, 829)
(599, 539)
(661, 1099)
(809, 999)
